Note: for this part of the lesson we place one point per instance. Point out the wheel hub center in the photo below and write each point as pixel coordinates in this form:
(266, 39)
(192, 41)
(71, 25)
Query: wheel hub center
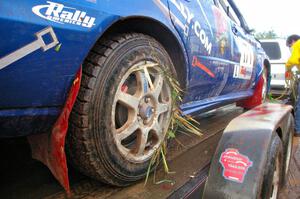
(146, 112)
(146, 109)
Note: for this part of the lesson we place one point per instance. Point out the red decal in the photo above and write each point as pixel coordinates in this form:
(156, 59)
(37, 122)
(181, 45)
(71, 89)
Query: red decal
(243, 71)
(260, 111)
(235, 165)
(197, 63)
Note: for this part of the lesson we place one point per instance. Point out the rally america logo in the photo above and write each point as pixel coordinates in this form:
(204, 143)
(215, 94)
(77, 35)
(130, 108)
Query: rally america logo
(235, 165)
(59, 13)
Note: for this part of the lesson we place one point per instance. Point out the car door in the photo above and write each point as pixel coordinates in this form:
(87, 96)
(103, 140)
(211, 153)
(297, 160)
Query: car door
(203, 29)
(244, 56)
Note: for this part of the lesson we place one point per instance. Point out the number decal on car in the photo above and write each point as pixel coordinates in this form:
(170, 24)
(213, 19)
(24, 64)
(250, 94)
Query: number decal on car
(245, 68)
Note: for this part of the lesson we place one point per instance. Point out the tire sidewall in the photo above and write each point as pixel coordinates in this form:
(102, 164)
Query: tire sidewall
(274, 151)
(288, 136)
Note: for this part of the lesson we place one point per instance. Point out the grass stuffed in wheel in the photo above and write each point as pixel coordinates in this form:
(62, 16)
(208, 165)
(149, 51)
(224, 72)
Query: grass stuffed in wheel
(178, 123)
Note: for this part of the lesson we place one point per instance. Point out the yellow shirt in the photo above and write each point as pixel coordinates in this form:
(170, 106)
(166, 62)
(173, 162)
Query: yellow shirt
(294, 59)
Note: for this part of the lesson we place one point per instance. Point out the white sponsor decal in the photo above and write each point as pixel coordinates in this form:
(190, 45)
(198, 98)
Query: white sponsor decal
(59, 13)
(201, 34)
(188, 16)
(185, 12)
(245, 68)
(31, 47)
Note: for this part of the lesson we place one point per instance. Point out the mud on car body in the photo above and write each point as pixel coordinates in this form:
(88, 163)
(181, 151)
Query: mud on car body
(124, 104)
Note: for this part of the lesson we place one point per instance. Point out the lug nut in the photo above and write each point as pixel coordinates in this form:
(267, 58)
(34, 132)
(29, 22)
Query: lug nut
(147, 99)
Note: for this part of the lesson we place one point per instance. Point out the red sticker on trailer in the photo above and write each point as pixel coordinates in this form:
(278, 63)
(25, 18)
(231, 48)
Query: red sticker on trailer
(235, 165)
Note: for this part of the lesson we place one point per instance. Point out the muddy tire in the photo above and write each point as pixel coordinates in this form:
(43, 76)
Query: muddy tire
(273, 170)
(123, 109)
(287, 149)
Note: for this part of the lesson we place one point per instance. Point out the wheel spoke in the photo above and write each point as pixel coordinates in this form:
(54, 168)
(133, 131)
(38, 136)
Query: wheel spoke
(158, 131)
(148, 77)
(158, 85)
(162, 108)
(142, 141)
(128, 100)
(127, 130)
(142, 83)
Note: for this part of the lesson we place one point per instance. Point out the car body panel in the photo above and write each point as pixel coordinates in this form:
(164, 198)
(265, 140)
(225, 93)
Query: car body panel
(214, 53)
(34, 86)
(24, 82)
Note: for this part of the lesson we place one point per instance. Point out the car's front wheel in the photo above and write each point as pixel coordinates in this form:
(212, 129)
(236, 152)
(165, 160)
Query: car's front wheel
(123, 109)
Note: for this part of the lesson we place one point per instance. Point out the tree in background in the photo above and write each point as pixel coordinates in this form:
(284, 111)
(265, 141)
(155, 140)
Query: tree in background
(271, 34)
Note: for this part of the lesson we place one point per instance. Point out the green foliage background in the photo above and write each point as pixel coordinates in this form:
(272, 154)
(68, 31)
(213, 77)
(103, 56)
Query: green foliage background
(271, 34)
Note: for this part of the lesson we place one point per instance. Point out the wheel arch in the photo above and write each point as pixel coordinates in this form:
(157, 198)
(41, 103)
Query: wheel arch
(161, 33)
(267, 64)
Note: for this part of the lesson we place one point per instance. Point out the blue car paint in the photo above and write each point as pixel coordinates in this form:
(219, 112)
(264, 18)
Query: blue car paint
(198, 23)
(213, 102)
(36, 85)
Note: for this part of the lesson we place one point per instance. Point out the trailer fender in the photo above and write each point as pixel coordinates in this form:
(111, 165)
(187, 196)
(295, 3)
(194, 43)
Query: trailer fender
(238, 165)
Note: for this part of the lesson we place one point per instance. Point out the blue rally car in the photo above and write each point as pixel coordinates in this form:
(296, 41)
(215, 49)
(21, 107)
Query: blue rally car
(123, 107)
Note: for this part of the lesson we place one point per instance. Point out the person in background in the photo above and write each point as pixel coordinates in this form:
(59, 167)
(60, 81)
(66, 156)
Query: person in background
(293, 42)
